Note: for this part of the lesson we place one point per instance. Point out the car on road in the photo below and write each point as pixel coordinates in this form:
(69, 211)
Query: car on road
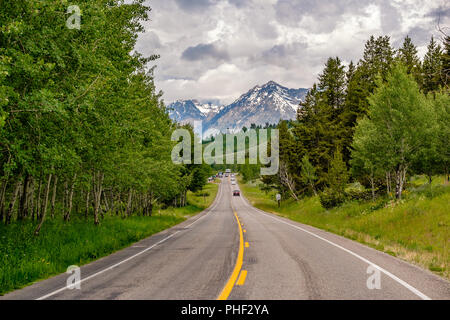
(236, 193)
(233, 182)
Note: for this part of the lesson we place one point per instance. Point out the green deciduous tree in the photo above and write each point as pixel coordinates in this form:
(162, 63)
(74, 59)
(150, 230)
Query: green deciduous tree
(399, 121)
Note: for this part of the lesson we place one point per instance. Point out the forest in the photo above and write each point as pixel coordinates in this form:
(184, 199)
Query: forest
(85, 136)
(375, 123)
(83, 129)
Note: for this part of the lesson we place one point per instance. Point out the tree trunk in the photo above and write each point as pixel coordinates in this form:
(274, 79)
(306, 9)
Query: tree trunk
(44, 206)
(2, 198)
(372, 184)
(150, 204)
(24, 199)
(105, 200)
(69, 205)
(388, 183)
(31, 197)
(287, 181)
(130, 196)
(12, 202)
(65, 198)
(55, 184)
(313, 189)
(400, 180)
(119, 203)
(112, 201)
(38, 201)
(97, 189)
(86, 212)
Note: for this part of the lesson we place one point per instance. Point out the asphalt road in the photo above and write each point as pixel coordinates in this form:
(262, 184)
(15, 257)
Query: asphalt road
(235, 251)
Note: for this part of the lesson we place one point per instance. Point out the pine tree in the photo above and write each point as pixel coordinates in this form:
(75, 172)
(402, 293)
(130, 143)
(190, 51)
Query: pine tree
(407, 54)
(308, 174)
(338, 174)
(377, 60)
(332, 83)
(350, 73)
(432, 67)
(446, 63)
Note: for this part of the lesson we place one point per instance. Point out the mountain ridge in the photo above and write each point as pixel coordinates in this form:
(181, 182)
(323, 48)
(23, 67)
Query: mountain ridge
(269, 102)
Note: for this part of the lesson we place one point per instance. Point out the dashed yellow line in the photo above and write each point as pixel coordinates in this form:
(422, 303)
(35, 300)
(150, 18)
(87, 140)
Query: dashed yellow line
(237, 268)
(242, 277)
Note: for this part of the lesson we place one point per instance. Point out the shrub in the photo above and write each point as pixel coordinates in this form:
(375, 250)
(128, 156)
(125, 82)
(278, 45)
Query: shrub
(330, 199)
(354, 194)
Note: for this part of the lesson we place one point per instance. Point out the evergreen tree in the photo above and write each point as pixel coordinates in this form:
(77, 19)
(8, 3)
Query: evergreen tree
(350, 73)
(332, 83)
(432, 67)
(446, 63)
(399, 122)
(308, 174)
(407, 54)
(338, 174)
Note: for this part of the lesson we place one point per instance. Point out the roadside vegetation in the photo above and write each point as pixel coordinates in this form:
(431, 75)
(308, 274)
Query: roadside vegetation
(25, 258)
(368, 155)
(415, 229)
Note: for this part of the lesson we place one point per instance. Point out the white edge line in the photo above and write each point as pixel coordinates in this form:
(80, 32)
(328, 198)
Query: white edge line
(400, 281)
(137, 254)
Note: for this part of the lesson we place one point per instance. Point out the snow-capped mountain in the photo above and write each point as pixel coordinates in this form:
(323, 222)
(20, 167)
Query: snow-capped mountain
(184, 111)
(267, 103)
(208, 108)
(187, 111)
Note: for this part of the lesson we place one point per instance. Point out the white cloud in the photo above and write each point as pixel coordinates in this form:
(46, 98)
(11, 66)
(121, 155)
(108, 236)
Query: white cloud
(218, 49)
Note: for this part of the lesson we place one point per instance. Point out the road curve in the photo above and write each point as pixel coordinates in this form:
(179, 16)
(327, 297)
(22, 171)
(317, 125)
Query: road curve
(235, 251)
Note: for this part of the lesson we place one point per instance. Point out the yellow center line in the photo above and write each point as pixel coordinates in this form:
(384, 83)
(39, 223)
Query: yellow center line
(242, 277)
(237, 268)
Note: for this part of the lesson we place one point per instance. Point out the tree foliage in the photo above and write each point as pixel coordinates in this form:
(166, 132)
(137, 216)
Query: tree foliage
(81, 122)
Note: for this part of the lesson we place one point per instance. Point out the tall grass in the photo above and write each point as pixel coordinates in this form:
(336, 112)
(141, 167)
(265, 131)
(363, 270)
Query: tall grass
(416, 229)
(25, 258)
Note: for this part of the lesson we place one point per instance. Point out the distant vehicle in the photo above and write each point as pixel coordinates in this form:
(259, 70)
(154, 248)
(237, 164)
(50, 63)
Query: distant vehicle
(233, 179)
(226, 174)
(236, 193)
(233, 182)
(228, 171)
(220, 173)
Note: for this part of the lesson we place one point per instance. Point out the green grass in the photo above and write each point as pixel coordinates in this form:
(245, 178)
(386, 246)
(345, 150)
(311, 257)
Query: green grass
(416, 229)
(25, 258)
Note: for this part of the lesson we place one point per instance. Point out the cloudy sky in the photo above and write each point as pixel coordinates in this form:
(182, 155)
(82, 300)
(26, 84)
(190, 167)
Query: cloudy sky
(219, 49)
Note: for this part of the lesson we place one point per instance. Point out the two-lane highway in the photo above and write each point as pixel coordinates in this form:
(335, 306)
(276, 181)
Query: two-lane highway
(235, 251)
